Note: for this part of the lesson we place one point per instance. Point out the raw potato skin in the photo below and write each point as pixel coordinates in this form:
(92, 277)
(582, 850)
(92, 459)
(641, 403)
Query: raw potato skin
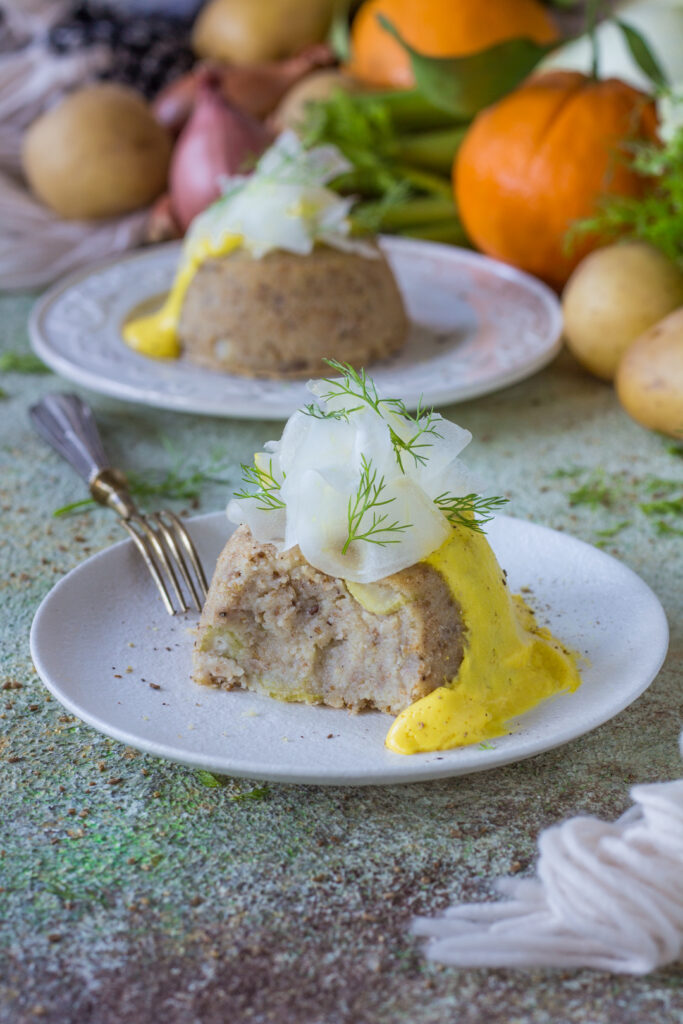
(249, 31)
(281, 315)
(100, 153)
(650, 377)
(274, 624)
(614, 295)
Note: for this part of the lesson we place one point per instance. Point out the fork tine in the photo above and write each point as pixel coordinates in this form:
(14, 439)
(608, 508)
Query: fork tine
(168, 535)
(191, 551)
(142, 544)
(165, 562)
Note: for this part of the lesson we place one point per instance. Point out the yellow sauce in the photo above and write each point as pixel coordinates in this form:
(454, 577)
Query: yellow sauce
(156, 336)
(510, 663)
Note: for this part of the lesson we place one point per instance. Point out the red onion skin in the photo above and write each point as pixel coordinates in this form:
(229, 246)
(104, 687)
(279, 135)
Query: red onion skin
(173, 106)
(218, 140)
(255, 88)
(162, 225)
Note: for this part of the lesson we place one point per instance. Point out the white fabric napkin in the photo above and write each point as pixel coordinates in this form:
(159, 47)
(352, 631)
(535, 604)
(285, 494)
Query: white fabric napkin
(37, 246)
(607, 895)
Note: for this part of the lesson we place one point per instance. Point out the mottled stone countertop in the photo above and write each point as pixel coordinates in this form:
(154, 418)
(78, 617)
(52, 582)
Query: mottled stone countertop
(132, 891)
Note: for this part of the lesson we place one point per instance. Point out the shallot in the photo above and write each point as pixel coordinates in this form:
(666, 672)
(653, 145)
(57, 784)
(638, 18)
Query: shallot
(218, 141)
(254, 88)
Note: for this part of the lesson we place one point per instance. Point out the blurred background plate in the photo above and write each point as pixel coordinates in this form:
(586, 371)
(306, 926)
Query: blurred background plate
(476, 326)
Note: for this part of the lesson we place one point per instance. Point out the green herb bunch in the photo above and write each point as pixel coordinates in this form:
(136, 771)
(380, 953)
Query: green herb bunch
(655, 217)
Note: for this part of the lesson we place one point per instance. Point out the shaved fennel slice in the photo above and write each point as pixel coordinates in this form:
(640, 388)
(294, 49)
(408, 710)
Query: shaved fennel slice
(318, 521)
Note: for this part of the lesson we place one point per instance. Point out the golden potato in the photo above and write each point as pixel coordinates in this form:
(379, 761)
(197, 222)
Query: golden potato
(249, 31)
(99, 153)
(614, 295)
(650, 377)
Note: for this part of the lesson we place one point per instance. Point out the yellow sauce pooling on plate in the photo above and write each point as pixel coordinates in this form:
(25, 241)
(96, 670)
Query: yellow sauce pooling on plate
(156, 336)
(510, 663)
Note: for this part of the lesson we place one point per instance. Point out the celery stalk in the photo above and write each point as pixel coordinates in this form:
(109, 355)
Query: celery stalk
(425, 181)
(433, 150)
(410, 212)
(407, 109)
(450, 231)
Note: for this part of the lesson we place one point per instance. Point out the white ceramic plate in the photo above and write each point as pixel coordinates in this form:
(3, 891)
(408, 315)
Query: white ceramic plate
(477, 326)
(101, 636)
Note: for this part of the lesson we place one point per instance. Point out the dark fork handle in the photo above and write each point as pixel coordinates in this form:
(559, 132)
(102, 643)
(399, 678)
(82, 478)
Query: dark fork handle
(68, 426)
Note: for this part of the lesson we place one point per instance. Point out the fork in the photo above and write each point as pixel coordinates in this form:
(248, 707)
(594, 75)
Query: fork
(68, 426)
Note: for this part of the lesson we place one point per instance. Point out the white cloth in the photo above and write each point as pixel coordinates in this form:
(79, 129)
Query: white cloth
(37, 246)
(32, 79)
(607, 896)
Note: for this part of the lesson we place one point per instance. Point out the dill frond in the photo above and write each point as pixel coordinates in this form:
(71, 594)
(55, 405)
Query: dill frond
(655, 217)
(356, 384)
(368, 499)
(470, 510)
(267, 493)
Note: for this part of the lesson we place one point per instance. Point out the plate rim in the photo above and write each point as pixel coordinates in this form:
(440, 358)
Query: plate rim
(421, 771)
(87, 378)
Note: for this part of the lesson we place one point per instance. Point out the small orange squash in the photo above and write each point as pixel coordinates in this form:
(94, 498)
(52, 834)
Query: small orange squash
(540, 158)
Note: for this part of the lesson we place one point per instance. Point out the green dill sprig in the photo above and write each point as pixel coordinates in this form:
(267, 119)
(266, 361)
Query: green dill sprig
(470, 510)
(656, 216)
(177, 483)
(329, 414)
(356, 384)
(368, 499)
(22, 362)
(267, 493)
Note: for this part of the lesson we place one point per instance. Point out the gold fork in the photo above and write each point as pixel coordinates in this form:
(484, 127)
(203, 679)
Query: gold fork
(68, 426)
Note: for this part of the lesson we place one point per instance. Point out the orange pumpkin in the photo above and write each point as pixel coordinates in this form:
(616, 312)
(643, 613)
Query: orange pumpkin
(438, 28)
(540, 158)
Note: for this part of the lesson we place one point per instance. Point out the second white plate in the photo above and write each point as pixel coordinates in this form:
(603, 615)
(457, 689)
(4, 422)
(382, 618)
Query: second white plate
(104, 646)
(477, 326)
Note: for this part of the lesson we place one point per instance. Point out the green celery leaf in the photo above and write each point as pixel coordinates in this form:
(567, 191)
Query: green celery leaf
(643, 55)
(462, 86)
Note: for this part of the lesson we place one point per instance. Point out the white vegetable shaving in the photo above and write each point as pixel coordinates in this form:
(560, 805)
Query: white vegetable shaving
(364, 488)
(283, 204)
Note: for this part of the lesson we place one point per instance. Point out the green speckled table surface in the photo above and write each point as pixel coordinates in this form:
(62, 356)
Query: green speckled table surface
(135, 890)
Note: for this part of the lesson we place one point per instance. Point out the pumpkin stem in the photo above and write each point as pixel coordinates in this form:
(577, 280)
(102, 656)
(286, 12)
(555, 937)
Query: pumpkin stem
(592, 9)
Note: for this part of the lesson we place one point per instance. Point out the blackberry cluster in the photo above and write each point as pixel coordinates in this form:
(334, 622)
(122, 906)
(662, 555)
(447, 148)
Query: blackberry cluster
(148, 50)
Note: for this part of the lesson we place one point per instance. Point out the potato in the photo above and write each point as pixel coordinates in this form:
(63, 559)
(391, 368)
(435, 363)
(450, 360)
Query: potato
(614, 295)
(249, 31)
(650, 377)
(319, 85)
(100, 153)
